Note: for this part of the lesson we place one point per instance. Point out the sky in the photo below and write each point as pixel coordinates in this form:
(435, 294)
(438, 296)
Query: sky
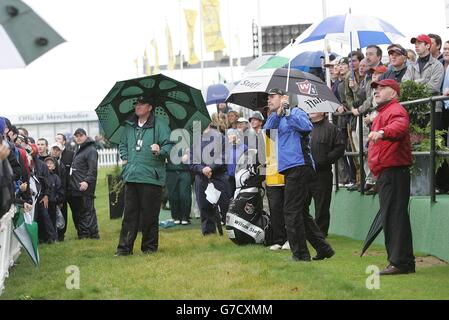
(104, 37)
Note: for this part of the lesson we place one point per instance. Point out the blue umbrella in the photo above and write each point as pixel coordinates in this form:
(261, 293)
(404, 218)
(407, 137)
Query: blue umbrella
(216, 93)
(310, 59)
(358, 31)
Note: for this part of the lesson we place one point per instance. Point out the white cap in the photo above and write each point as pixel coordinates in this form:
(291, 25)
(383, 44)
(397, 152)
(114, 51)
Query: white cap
(57, 145)
(241, 119)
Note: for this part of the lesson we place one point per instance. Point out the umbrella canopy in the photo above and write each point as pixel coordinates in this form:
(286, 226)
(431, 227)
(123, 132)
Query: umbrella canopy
(375, 229)
(24, 36)
(175, 102)
(257, 63)
(311, 59)
(27, 234)
(302, 61)
(357, 30)
(311, 94)
(217, 93)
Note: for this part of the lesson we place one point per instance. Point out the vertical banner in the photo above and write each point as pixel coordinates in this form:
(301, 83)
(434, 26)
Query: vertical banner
(211, 25)
(156, 68)
(191, 20)
(447, 13)
(136, 64)
(171, 58)
(145, 65)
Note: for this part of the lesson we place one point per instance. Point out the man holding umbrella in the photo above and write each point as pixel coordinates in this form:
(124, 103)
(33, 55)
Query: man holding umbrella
(144, 147)
(389, 158)
(296, 163)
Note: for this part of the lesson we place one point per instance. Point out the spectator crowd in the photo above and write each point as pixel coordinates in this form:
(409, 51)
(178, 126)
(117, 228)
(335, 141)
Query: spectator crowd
(45, 177)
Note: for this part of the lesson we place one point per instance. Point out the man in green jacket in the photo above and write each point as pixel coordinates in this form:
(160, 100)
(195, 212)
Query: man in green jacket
(144, 147)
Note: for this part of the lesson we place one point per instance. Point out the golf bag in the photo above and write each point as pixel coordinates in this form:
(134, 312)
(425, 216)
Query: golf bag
(246, 221)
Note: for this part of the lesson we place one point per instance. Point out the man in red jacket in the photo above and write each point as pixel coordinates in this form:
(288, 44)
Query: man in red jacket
(389, 158)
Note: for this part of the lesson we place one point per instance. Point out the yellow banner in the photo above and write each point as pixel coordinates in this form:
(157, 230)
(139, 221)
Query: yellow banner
(171, 58)
(211, 25)
(190, 20)
(145, 65)
(136, 64)
(156, 68)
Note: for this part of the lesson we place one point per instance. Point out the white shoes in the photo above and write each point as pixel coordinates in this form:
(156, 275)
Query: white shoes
(177, 222)
(286, 246)
(275, 247)
(184, 222)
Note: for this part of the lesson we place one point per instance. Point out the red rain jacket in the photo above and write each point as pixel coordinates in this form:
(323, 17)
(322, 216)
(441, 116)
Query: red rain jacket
(394, 150)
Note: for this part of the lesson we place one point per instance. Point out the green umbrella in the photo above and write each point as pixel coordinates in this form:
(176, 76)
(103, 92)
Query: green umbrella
(176, 102)
(27, 234)
(24, 36)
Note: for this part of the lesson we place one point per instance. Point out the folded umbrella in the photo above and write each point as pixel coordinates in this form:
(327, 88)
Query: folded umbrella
(310, 93)
(375, 229)
(26, 232)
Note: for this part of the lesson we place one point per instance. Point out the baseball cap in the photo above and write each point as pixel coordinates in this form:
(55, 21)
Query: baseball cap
(398, 49)
(332, 63)
(379, 69)
(51, 159)
(257, 115)
(80, 131)
(387, 83)
(145, 99)
(344, 60)
(57, 145)
(276, 91)
(241, 119)
(422, 38)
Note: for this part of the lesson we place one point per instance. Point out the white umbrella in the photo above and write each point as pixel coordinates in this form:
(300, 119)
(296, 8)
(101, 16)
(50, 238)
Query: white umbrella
(24, 36)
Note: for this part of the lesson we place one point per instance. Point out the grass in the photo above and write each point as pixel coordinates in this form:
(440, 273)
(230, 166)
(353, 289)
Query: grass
(190, 266)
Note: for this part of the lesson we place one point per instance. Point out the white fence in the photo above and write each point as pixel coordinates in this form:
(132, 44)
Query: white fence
(108, 157)
(9, 246)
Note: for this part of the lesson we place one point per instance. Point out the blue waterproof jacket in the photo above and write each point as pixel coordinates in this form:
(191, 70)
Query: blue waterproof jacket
(293, 139)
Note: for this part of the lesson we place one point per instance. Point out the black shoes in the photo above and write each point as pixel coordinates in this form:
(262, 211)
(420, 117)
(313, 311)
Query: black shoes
(300, 259)
(322, 256)
(122, 253)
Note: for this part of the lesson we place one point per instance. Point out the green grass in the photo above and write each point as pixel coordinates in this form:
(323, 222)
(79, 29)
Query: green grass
(190, 266)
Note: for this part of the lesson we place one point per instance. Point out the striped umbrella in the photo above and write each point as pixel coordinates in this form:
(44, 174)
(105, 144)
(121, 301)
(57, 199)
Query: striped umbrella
(24, 36)
(356, 30)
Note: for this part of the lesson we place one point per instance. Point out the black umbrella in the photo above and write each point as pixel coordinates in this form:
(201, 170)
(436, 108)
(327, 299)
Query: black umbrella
(375, 229)
(305, 89)
(175, 102)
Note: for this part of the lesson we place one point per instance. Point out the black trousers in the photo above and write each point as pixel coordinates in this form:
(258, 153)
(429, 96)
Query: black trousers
(394, 195)
(321, 192)
(299, 223)
(142, 206)
(84, 216)
(275, 197)
(61, 232)
(46, 227)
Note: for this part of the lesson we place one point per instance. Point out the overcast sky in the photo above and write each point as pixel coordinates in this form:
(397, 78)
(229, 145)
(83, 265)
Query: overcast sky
(105, 36)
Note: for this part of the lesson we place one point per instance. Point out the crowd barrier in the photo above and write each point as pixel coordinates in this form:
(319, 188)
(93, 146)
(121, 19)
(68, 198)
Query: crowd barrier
(9, 246)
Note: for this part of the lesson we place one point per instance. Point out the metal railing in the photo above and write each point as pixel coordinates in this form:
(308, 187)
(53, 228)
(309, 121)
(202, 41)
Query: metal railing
(433, 152)
(9, 246)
